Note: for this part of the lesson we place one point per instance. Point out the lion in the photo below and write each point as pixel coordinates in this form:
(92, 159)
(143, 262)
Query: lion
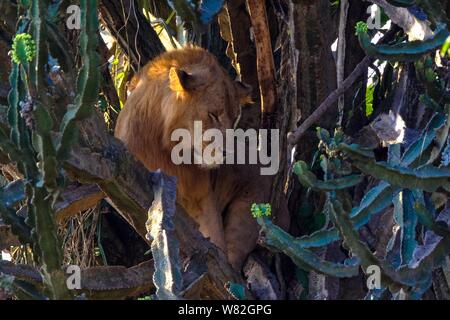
(171, 92)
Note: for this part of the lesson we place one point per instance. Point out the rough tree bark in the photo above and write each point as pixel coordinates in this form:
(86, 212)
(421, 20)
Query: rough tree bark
(235, 28)
(132, 31)
(316, 73)
(264, 61)
(354, 54)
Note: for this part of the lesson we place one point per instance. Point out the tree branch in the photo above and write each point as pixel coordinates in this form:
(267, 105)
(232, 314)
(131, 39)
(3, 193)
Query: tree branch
(415, 28)
(265, 63)
(106, 282)
(132, 30)
(294, 137)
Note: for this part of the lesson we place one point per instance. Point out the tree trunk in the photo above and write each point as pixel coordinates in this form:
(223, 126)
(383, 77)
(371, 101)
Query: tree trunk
(132, 30)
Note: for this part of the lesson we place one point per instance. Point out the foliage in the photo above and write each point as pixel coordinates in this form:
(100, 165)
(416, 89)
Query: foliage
(345, 188)
(236, 290)
(445, 51)
(23, 48)
(401, 186)
(197, 11)
(409, 51)
(197, 14)
(261, 210)
(32, 137)
(407, 182)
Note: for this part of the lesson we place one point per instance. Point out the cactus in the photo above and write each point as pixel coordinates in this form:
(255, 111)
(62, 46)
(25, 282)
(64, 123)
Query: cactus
(409, 51)
(261, 210)
(308, 179)
(404, 178)
(426, 177)
(44, 185)
(236, 290)
(88, 81)
(435, 88)
(32, 137)
(274, 237)
(445, 51)
(23, 48)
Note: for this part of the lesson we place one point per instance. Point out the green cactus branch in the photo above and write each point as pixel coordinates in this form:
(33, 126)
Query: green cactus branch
(417, 150)
(13, 100)
(409, 51)
(37, 72)
(410, 276)
(88, 82)
(434, 87)
(275, 237)
(375, 201)
(406, 218)
(308, 179)
(49, 244)
(360, 249)
(43, 142)
(29, 85)
(445, 51)
(8, 147)
(428, 220)
(393, 189)
(427, 178)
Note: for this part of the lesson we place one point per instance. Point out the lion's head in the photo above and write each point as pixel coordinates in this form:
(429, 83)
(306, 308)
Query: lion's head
(172, 92)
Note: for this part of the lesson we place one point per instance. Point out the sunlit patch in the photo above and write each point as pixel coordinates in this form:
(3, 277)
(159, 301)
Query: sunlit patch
(6, 256)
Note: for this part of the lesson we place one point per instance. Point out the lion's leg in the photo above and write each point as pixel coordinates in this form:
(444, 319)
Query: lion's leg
(211, 224)
(241, 232)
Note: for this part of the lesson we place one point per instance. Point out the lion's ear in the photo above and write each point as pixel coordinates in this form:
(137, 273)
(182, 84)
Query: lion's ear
(181, 81)
(244, 93)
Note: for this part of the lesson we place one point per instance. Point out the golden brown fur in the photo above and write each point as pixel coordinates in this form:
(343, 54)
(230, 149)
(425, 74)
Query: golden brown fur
(219, 199)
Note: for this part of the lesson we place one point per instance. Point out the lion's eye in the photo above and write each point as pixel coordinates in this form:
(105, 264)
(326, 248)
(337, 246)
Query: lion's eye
(214, 117)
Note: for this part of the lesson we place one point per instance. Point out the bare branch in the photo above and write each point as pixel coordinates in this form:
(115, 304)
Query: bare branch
(340, 61)
(415, 28)
(265, 63)
(361, 68)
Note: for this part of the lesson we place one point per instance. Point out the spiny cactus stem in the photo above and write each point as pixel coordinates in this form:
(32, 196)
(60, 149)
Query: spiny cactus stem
(44, 190)
(88, 81)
